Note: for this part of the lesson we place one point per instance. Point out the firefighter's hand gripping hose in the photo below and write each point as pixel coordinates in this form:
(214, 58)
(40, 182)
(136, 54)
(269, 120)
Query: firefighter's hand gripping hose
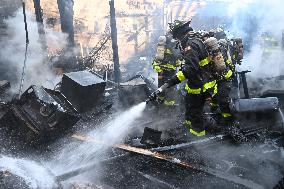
(155, 95)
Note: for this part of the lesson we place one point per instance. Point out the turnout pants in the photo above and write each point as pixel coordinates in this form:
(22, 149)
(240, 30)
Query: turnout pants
(195, 103)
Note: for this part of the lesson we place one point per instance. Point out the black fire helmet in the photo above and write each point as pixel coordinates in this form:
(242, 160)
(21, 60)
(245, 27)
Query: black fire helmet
(179, 28)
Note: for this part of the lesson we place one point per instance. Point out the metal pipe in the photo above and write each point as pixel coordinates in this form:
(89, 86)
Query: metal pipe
(242, 75)
(245, 85)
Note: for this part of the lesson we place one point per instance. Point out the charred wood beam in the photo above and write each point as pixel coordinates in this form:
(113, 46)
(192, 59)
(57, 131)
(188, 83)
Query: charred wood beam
(40, 25)
(66, 12)
(114, 41)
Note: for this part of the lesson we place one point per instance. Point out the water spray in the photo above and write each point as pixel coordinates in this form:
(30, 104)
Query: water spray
(34, 174)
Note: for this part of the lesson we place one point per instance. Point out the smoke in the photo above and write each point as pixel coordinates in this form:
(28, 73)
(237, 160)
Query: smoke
(38, 70)
(250, 20)
(267, 14)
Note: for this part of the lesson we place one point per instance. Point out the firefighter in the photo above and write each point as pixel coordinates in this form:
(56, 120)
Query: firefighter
(223, 71)
(269, 44)
(232, 51)
(165, 64)
(204, 68)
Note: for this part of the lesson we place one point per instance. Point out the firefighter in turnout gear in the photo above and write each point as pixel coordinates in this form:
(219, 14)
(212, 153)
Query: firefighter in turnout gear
(165, 64)
(222, 70)
(269, 44)
(233, 52)
(204, 69)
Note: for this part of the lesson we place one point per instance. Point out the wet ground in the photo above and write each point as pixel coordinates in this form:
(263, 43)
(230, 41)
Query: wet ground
(217, 164)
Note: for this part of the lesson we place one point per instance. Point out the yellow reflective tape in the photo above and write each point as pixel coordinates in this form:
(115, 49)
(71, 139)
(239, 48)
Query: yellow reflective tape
(204, 62)
(161, 97)
(228, 74)
(192, 91)
(269, 50)
(168, 51)
(214, 104)
(187, 122)
(229, 62)
(215, 89)
(209, 85)
(180, 76)
(156, 63)
(226, 115)
(199, 134)
(158, 69)
(169, 103)
(179, 62)
(170, 66)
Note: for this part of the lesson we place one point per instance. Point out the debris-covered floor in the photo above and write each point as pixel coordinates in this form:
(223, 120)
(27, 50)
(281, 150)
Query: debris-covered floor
(93, 157)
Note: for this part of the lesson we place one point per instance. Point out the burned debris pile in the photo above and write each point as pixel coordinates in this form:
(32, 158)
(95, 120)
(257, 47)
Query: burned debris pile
(40, 115)
(156, 157)
(12, 181)
(4, 85)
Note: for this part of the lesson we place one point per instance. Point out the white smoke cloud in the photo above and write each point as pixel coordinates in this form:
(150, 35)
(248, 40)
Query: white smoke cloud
(250, 20)
(38, 69)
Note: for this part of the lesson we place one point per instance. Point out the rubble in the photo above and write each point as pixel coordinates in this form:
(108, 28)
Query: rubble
(39, 116)
(4, 86)
(9, 180)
